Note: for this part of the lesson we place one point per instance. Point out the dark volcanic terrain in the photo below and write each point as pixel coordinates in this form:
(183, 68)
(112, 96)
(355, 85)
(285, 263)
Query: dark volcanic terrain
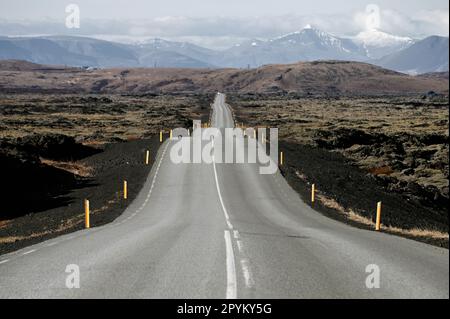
(359, 151)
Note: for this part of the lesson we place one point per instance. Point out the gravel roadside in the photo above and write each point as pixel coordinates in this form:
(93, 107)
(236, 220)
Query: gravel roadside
(109, 168)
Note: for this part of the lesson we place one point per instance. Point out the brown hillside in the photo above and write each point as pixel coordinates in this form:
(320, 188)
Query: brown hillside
(325, 77)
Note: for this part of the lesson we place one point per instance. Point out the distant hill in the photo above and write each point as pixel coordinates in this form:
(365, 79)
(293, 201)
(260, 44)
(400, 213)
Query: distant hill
(19, 65)
(436, 75)
(428, 55)
(82, 51)
(43, 51)
(153, 52)
(98, 53)
(306, 78)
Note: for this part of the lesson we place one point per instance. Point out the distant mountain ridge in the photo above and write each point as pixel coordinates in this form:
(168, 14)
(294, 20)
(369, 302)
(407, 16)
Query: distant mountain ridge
(308, 44)
(428, 55)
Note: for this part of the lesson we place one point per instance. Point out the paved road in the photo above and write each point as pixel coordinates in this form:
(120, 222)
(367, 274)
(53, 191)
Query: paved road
(224, 231)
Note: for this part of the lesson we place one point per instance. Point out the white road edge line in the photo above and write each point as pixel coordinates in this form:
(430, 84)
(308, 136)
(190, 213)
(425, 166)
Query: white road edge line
(4, 261)
(150, 191)
(29, 252)
(231, 268)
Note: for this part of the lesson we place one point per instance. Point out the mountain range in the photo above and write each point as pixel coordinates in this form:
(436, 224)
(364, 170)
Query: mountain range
(309, 44)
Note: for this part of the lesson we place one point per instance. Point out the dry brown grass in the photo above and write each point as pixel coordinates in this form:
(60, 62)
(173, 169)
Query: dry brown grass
(95, 144)
(4, 223)
(132, 137)
(105, 206)
(67, 224)
(418, 233)
(301, 176)
(355, 217)
(383, 170)
(75, 168)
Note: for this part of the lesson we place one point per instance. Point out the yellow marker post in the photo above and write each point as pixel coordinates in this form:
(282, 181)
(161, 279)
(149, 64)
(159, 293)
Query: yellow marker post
(147, 157)
(313, 193)
(160, 136)
(125, 190)
(378, 222)
(254, 133)
(86, 214)
(281, 158)
(170, 135)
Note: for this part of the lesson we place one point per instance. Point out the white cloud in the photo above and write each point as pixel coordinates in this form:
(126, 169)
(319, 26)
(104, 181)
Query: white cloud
(219, 32)
(435, 22)
(421, 24)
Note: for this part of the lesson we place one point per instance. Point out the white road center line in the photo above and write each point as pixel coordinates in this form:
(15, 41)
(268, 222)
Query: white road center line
(29, 252)
(239, 244)
(227, 217)
(247, 273)
(231, 268)
(4, 261)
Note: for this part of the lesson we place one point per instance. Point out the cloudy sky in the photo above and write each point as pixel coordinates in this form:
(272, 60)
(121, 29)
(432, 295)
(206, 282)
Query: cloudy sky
(219, 23)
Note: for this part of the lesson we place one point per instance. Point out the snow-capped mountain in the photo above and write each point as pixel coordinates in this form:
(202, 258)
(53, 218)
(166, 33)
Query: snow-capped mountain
(377, 43)
(315, 39)
(307, 44)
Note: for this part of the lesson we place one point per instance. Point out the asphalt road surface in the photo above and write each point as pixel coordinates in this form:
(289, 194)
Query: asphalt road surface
(214, 230)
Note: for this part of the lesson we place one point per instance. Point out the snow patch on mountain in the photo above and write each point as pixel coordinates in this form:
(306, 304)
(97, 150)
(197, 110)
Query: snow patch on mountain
(380, 38)
(378, 43)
